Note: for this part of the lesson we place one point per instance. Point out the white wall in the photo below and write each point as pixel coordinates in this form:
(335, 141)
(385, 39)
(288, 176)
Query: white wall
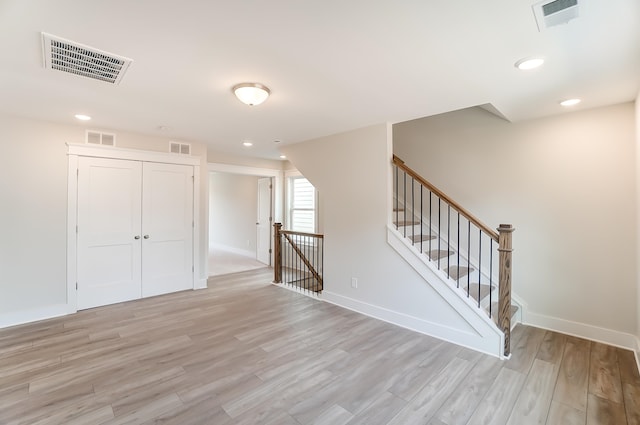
(233, 205)
(33, 212)
(637, 104)
(352, 171)
(567, 184)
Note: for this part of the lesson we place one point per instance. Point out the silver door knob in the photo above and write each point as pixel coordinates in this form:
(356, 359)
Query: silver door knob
(146, 236)
(136, 237)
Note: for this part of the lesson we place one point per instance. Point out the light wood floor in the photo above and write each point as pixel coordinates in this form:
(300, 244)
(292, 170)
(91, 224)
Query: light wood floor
(247, 352)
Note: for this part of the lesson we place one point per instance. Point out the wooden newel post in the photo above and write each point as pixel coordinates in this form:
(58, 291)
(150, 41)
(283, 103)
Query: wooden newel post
(277, 253)
(504, 308)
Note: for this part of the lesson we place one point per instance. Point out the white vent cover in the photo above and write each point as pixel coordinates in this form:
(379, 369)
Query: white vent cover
(99, 138)
(551, 13)
(182, 148)
(68, 56)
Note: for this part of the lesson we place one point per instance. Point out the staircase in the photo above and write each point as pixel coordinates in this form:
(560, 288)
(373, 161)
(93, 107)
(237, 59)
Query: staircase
(456, 253)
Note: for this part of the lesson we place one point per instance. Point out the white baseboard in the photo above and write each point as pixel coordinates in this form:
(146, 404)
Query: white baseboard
(33, 315)
(582, 330)
(200, 283)
(239, 251)
(473, 341)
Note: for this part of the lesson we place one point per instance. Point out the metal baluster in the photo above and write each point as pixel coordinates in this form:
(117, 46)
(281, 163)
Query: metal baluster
(469, 256)
(490, 274)
(430, 221)
(458, 250)
(449, 240)
(413, 209)
(479, 263)
(322, 260)
(421, 218)
(397, 198)
(404, 199)
(439, 229)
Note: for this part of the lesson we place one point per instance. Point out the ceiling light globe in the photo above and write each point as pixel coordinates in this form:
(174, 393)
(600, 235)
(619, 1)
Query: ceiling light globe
(529, 63)
(251, 93)
(570, 102)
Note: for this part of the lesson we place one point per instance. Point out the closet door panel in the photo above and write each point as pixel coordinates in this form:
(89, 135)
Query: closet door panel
(109, 254)
(167, 227)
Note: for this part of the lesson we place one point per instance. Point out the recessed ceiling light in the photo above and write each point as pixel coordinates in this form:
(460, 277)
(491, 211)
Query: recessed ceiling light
(283, 156)
(82, 117)
(247, 144)
(529, 63)
(570, 102)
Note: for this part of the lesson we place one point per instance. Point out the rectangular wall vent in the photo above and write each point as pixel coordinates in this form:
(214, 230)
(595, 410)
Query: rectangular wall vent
(74, 58)
(551, 13)
(99, 138)
(181, 148)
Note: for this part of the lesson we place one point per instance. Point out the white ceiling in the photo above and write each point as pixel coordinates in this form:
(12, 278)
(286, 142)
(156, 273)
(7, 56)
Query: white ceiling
(331, 65)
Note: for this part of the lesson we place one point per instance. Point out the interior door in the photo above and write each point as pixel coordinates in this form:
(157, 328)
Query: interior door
(167, 228)
(109, 231)
(263, 223)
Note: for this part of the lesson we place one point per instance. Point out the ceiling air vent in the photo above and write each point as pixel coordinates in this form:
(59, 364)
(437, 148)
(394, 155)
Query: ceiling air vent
(556, 12)
(99, 138)
(68, 56)
(183, 148)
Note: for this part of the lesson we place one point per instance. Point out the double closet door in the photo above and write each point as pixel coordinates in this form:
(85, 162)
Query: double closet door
(135, 230)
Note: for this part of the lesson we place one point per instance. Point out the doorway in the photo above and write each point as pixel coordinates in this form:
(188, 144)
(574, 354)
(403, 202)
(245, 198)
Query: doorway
(243, 204)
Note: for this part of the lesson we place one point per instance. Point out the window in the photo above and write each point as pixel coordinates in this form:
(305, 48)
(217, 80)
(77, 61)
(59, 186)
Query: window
(302, 205)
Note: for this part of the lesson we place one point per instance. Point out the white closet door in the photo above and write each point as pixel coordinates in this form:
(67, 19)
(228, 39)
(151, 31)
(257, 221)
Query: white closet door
(167, 220)
(109, 231)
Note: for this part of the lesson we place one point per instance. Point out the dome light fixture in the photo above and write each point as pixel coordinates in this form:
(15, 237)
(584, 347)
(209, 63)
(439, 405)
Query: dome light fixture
(82, 117)
(251, 93)
(527, 64)
(570, 102)
(247, 144)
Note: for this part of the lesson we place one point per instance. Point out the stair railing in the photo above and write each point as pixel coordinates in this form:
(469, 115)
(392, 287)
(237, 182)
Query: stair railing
(298, 259)
(445, 229)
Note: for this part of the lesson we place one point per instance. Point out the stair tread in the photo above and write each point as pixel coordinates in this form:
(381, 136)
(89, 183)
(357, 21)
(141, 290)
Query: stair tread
(406, 223)
(456, 272)
(473, 290)
(436, 254)
(418, 238)
(494, 309)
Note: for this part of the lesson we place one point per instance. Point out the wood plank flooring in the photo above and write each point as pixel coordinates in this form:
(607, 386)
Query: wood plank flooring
(247, 352)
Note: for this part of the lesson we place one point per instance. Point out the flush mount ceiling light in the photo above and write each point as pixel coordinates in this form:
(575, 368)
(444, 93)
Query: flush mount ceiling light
(283, 156)
(82, 117)
(251, 93)
(570, 102)
(247, 144)
(527, 64)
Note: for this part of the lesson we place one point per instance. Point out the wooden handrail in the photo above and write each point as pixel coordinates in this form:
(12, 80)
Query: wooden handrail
(291, 232)
(486, 229)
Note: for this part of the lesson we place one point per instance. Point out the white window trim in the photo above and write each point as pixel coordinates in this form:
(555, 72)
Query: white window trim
(287, 214)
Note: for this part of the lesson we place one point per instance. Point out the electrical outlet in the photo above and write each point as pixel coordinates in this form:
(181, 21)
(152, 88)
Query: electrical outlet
(354, 282)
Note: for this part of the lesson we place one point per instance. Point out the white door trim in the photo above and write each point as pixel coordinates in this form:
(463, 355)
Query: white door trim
(74, 151)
